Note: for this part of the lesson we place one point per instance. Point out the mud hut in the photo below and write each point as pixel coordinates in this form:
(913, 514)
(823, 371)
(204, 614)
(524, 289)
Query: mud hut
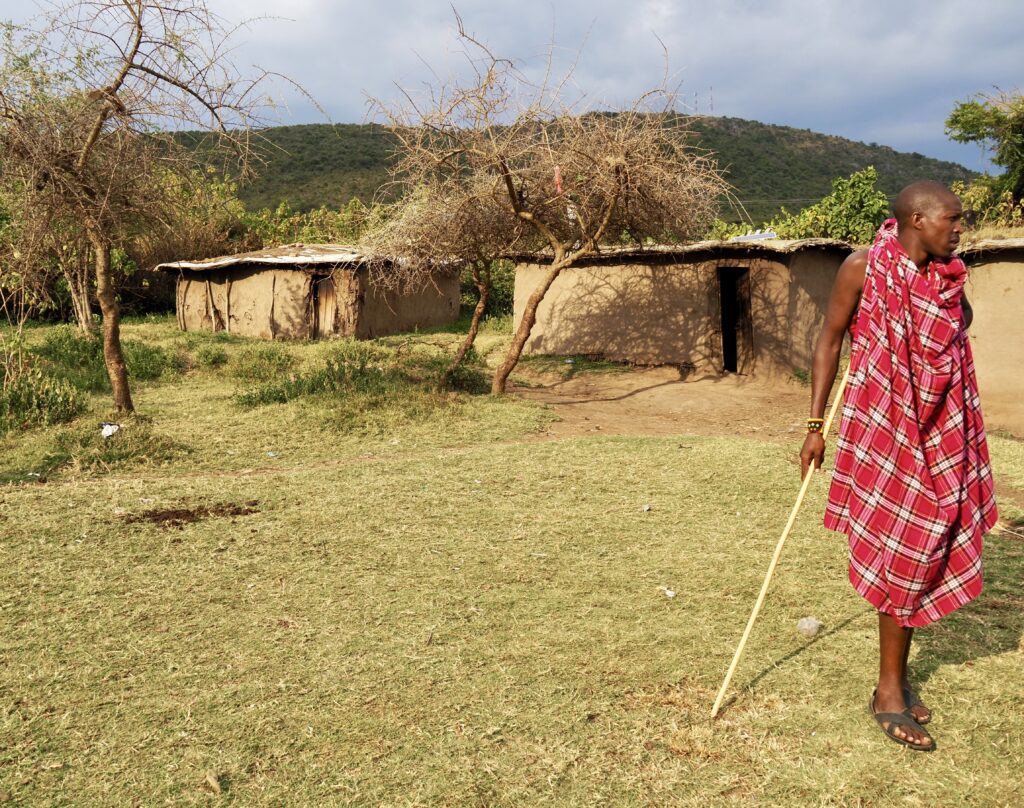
(303, 291)
(996, 292)
(711, 307)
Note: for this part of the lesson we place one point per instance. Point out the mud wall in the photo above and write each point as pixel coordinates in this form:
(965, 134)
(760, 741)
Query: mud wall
(996, 291)
(671, 313)
(380, 313)
(252, 302)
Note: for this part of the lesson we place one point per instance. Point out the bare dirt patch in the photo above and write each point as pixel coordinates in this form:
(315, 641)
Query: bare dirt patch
(181, 516)
(661, 401)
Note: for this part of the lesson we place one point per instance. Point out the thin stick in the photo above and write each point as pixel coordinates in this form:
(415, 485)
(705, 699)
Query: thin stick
(837, 403)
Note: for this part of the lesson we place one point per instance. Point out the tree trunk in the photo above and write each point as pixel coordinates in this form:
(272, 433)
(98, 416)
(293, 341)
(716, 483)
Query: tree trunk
(77, 276)
(483, 287)
(522, 334)
(117, 371)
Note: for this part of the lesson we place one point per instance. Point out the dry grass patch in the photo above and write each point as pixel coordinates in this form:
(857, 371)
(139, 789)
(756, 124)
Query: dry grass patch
(450, 614)
(475, 625)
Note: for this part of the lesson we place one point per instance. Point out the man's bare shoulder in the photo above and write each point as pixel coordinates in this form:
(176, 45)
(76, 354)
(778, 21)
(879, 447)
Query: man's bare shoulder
(852, 270)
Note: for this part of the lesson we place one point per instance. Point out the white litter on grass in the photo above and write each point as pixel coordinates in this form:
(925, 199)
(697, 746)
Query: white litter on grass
(109, 429)
(669, 593)
(809, 626)
(273, 454)
(647, 509)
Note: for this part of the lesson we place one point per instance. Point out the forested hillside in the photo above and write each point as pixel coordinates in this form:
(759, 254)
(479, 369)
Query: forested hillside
(770, 166)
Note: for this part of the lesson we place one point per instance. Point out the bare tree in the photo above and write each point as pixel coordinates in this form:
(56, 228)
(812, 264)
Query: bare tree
(86, 99)
(497, 163)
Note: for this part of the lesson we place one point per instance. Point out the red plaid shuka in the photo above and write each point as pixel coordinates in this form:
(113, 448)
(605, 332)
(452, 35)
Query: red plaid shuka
(912, 487)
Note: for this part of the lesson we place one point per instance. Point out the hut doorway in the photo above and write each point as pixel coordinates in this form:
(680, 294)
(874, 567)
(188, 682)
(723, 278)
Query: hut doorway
(737, 329)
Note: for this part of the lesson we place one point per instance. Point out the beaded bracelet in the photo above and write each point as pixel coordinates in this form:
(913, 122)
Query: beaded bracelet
(815, 424)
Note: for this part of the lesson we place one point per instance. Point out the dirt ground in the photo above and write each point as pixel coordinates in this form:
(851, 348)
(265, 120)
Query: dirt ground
(659, 401)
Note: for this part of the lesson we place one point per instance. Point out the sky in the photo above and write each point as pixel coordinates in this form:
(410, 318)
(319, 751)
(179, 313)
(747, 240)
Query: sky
(874, 71)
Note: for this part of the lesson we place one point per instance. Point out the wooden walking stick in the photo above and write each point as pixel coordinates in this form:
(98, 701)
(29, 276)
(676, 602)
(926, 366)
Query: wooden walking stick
(837, 404)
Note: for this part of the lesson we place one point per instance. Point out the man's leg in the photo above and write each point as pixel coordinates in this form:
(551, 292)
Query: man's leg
(920, 712)
(893, 646)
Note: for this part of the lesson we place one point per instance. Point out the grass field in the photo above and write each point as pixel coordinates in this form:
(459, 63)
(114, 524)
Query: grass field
(401, 597)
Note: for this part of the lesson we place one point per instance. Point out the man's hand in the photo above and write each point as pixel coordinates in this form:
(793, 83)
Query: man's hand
(814, 450)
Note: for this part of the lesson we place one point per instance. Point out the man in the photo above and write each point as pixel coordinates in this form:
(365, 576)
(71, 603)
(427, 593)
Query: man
(912, 487)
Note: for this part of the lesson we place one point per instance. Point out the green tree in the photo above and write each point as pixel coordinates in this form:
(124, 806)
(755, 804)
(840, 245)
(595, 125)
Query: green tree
(852, 212)
(997, 123)
(83, 98)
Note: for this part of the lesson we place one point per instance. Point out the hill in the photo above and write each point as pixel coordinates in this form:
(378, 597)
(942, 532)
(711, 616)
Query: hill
(770, 166)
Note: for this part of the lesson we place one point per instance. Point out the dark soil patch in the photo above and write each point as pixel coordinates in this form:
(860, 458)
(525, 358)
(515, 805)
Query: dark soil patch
(181, 516)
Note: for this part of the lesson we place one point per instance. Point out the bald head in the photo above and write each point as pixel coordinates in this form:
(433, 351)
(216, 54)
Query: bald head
(924, 197)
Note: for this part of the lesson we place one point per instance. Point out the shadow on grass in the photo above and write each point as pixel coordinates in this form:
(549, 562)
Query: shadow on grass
(789, 657)
(991, 625)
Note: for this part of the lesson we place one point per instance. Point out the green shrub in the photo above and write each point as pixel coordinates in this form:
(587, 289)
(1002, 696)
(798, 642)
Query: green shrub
(502, 295)
(852, 212)
(77, 359)
(211, 356)
(262, 363)
(367, 388)
(147, 362)
(352, 367)
(32, 399)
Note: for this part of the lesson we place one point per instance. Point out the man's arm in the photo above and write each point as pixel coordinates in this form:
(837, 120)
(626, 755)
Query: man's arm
(841, 305)
(968, 312)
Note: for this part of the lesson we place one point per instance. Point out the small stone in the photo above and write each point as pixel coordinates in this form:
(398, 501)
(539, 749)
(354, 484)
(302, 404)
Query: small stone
(809, 626)
(647, 509)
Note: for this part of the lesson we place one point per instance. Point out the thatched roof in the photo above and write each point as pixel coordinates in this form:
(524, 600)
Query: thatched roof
(991, 245)
(297, 255)
(662, 252)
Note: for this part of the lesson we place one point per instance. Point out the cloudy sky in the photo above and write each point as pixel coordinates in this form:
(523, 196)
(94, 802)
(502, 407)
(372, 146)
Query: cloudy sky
(885, 72)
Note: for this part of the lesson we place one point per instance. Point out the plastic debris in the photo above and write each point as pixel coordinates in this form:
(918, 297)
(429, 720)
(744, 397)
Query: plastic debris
(647, 509)
(809, 626)
(669, 593)
(273, 454)
(109, 429)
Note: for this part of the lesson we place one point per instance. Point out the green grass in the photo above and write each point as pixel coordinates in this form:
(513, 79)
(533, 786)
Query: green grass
(452, 613)
(569, 366)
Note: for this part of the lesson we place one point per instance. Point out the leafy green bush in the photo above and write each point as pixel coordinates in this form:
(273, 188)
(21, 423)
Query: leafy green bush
(501, 298)
(210, 356)
(352, 366)
(147, 361)
(31, 398)
(986, 206)
(74, 358)
(262, 363)
(77, 359)
(852, 212)
(369, 389)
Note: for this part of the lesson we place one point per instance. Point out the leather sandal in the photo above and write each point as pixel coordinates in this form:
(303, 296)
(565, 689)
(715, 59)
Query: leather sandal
(889, 721)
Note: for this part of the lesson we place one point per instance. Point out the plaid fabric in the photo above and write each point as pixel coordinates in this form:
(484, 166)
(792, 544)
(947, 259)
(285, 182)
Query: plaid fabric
(912, 487)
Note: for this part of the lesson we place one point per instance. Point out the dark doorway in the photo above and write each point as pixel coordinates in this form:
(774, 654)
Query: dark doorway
(737, 332)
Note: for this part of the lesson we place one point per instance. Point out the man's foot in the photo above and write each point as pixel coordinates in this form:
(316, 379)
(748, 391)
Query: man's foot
(921, 714)
(895, 720)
